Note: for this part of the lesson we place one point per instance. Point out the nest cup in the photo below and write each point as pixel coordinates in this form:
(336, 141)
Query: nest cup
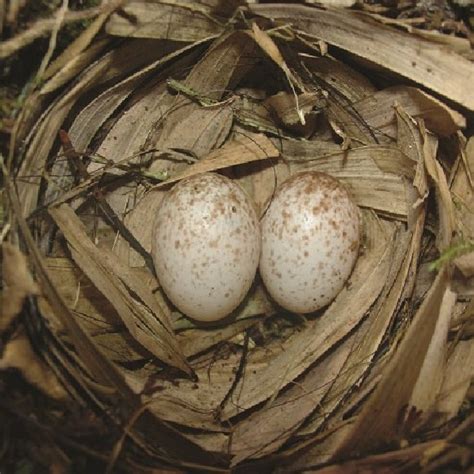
(373, 374)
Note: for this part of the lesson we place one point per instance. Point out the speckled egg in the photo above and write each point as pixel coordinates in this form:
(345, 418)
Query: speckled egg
(310, 241)
(206, 246)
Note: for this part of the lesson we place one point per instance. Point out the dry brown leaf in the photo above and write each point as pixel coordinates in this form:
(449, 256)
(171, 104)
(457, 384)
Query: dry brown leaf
(92, 311)
(194, 128)
(410, 458)
(267, 44)
(254, 115)
(18, 354)
(456, 43)
(269, 428)
(409, 141)
(338, 78)
(285, 105)
(18, 284)
(242, 149)
(443, 195)
(195, 341)
(378, 111)
(458, 377)
(225, 63)
(144, 316)
(417, 59)
(96, 113)
(380, 419)
(462, 193)
(81, 42)
(102, 107)
(190, 403)
(264, 179)
(91, 360)
(197, 133)
(256, 303)
(430, 378)
(177, 21)
(211, 442)
(348, 125)
(263, 39)
(134, 219)
(344, 87)
(44, 134)
(316, 449)
(73, 67)
(125, 142)
(465, 263)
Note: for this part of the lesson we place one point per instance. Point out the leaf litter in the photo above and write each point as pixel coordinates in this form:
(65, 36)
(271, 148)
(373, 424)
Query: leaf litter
(244, 390)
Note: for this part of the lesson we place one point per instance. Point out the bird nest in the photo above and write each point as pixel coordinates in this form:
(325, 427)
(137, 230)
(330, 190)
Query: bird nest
(257, 94)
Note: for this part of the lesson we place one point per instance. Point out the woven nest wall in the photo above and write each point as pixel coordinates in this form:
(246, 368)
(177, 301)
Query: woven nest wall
(379, 378)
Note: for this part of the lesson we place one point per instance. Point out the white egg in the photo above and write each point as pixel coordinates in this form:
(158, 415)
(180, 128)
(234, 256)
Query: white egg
(206, 246)
(310, 241)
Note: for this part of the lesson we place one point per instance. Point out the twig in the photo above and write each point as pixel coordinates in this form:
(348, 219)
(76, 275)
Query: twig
(238, 374)
(117, 449)
(41, 28)
(14, 9)
(60, 14)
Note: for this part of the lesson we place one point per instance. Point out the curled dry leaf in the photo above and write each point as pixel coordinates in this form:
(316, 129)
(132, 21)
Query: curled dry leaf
(339, 79)
(120, 146)
(146, 207)
(72, 66)
(285, 105)
(18, 284)
(379, 421)
(456, 382)
(96, 316)
(428, 385)
(378, 111)
(178, 21)
(269, 428)
(267, 44)
(18, 354)
(463, 196)
(443, 195)
(242, 149)
(41, 140)
(422, 61)
(146, 319)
